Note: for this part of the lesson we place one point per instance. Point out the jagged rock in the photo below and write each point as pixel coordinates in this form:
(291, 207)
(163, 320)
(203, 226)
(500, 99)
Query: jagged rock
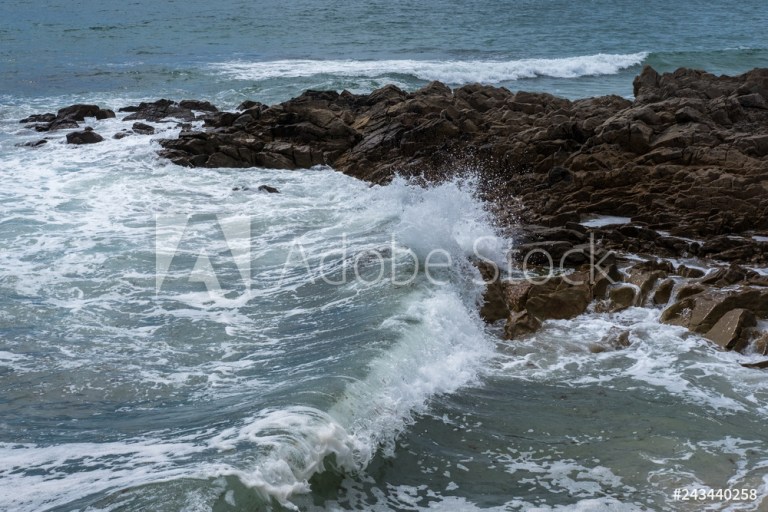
(80, 112)
(664, 292)
(645, 281)
(203, 106)
(622, 297)
(685, 157)
(494, 305)
(143, 129)
(249, 104)
(39, 118)
(615, 339)
(684, 271)
(728, 332)
(557, 300)
(520, 323)
(760, 344)
(516, 294)
(158, 111)
(84, 137)
(67, 117)
(702, 311)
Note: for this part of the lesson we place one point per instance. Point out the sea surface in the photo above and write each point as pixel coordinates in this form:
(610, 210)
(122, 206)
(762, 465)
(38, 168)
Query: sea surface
(174, 339)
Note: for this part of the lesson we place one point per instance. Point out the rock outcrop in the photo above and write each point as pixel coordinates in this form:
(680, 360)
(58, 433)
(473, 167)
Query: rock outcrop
(685, 160)
(681, 171)
(66, 118)
(87, 136)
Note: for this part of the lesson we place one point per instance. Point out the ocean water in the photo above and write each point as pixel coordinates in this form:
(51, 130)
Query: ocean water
(173, 339)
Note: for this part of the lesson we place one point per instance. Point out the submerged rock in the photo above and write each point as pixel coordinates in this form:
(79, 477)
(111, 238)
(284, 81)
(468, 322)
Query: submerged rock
(33, 143)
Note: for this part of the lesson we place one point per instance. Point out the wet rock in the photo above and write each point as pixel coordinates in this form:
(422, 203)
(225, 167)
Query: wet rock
(33, 143)
(520, 323)
(557, 300)
(143, 129)
(559, 175)
(67, 117)
(249, 104)
(728, 332)
(516, 294)
(158, 111)
(622, 297)
(268, 189)
(663, 292)
(758, 366)
(494, 306)
(688, 290)
(80, 112)
(689, 272)
(685, 158)
(39, 118)
(203, 106)
(645, 281)
(84, 137)
(760, 344)
(615, 339)
(702, 311)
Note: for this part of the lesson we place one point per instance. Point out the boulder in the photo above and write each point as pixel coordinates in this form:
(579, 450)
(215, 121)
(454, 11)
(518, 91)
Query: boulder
(729, 331)
(158, 111)
(84, 137)
(80, 112)
(664, 292)
(557, 300)
(702, 311)
(203, 106)
(143, 129)
(622, 297)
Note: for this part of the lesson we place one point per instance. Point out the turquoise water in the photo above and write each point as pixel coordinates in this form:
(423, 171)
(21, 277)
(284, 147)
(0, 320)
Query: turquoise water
(173, 339)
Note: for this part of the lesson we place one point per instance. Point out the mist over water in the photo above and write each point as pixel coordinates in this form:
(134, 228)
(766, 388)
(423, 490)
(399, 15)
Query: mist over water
(291, 385)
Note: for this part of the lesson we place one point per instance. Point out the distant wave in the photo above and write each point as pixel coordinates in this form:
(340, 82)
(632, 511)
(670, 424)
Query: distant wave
(449, 71)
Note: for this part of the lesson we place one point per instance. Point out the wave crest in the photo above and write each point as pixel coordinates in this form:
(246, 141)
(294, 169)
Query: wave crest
(448, 71)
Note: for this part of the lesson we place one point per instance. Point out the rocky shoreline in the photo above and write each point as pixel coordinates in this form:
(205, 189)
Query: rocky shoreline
(680, 173)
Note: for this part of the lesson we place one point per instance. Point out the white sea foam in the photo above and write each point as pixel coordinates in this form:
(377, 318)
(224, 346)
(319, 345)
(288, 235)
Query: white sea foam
(441, 346)
(81, 213)
(452, 72)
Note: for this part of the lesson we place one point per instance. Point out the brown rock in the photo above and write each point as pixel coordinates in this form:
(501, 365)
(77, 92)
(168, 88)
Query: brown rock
(557, 301)
(615, 339)
(761, 343)
(702, 311)
(494, 306)
(622, 297)
(520, 324)
(728, 332)
(663, 292)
